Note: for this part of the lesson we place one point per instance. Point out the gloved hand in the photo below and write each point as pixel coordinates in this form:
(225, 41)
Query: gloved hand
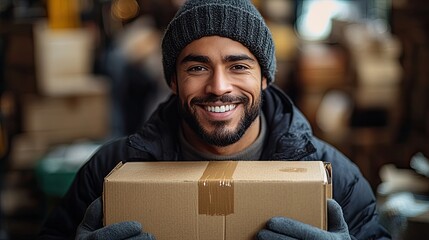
(91, 227)
(281, 228)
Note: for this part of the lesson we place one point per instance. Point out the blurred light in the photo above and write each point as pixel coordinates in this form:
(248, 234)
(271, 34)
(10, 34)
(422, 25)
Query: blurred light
(314, 23)
(125, 9)
(334, 112)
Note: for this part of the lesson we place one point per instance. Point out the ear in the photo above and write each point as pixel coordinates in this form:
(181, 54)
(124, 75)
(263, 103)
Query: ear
(173, 84)
(264, 83)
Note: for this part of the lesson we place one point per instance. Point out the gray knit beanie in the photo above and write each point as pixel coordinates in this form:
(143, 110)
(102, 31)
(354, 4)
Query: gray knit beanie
(238, 20)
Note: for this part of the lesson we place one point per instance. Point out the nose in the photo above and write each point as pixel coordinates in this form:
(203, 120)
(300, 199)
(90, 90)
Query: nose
(219, 83)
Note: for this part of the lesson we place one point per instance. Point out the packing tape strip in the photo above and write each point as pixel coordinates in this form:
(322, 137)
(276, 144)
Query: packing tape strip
(216, 189)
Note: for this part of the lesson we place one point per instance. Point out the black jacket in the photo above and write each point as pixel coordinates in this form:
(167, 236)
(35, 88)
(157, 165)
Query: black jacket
(290, 138)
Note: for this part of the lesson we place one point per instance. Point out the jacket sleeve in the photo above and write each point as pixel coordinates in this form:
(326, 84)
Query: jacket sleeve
(353, 192)
(64, 219)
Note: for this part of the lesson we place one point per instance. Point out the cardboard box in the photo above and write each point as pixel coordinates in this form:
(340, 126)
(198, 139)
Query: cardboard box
(63, 59)
(62, 119)
(215, 200)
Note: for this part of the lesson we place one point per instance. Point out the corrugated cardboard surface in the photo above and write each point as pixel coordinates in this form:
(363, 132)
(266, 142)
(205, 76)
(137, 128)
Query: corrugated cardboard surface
(163, 196)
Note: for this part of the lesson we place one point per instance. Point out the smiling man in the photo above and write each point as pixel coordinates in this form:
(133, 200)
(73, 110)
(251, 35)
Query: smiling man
(219, 83)
(218, 59)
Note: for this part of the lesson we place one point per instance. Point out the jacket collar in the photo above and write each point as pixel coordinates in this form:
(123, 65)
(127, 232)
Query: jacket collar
(158, 138)
(289, 133)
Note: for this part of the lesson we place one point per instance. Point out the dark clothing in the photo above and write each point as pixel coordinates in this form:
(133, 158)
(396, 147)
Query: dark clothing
(289, 138)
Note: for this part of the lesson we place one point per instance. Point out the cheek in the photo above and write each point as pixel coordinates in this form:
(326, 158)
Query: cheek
(255, 98)
(252, 91)
(188, 90)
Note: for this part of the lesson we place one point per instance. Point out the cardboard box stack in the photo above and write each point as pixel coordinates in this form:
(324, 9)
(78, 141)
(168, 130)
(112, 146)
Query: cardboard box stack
(216, 200)
(71, 103)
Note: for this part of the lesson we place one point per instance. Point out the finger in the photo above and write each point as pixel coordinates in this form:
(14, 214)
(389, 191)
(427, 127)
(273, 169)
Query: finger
(296, 229)
(122, 230)
(92, 219)
(336, 221)
(269, 235)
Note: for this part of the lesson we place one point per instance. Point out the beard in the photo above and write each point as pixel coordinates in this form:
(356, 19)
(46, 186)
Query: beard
(221, 136)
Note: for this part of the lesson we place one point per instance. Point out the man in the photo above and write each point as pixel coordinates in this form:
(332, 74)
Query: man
(218, 59)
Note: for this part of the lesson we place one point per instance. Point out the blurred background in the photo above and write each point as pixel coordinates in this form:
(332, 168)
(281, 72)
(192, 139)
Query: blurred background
(76, 73)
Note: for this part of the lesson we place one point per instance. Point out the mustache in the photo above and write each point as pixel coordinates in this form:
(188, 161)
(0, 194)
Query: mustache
(215, 98)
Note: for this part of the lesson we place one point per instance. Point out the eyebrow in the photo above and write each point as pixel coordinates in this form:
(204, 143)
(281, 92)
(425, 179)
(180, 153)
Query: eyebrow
(195, 58)
(205, 59)
(241, 57)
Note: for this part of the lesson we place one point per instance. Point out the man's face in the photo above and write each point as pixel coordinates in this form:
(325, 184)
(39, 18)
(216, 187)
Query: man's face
(219, 84)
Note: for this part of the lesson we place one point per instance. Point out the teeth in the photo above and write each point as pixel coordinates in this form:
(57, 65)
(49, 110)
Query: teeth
(220, 109)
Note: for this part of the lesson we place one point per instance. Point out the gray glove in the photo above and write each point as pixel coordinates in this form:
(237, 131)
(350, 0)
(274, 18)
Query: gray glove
(281, 228)
(91, 227)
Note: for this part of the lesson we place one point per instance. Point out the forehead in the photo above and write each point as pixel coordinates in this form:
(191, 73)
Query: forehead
(215, 46)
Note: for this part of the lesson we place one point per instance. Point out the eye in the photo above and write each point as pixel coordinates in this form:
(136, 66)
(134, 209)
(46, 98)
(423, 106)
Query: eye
(196, 69)
(239, 67)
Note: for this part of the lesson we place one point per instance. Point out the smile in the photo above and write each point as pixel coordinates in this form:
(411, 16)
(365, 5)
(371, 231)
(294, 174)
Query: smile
(220, 109)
